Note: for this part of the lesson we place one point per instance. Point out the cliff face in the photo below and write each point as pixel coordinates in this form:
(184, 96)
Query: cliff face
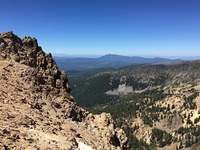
(36, 108)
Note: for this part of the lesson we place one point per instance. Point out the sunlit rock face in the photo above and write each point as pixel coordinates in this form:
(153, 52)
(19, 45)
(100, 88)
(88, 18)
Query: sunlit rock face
(36, 108)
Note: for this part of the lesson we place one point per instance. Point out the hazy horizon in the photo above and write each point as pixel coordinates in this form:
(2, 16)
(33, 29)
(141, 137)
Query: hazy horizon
(65, 55)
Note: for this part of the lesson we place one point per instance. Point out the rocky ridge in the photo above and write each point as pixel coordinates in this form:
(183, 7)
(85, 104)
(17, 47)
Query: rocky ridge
(36, 108)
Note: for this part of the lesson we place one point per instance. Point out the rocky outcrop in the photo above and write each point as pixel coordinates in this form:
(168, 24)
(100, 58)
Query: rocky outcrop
(26, 51)
(36, 108)
(103, 126)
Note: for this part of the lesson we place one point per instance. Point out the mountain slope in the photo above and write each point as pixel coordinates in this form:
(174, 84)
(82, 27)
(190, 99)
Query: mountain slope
(36, 108)
(156, 104)
(132, 79)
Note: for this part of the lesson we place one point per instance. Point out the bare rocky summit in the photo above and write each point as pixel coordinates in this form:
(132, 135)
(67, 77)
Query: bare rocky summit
(36, 108)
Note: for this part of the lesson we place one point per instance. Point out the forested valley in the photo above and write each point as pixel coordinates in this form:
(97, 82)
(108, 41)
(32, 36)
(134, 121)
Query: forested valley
(156, 104)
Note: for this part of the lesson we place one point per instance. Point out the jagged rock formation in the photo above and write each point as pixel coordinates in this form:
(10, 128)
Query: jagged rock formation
(36, 108)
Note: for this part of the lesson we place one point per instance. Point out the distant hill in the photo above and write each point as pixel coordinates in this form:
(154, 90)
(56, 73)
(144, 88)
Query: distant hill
(109, 60)
(87, 73)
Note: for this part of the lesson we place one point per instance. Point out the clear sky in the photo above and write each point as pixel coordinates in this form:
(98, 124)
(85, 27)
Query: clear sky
(98, 27)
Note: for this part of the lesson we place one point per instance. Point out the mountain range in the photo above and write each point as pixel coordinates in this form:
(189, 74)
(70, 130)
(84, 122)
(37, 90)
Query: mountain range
(109, 60)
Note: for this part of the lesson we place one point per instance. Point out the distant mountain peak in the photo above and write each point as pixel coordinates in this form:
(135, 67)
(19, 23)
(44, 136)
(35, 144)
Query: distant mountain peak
(108, 55)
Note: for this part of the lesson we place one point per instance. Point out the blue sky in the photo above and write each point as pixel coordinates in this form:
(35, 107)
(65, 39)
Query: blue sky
(98, 27)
